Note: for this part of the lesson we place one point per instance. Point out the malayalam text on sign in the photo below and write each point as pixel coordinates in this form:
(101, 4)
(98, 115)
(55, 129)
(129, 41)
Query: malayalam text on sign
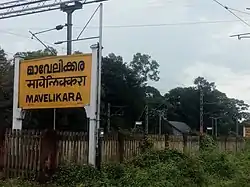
(55, 82)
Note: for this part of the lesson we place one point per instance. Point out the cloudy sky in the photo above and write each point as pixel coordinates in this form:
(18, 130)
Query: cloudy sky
(186, 45)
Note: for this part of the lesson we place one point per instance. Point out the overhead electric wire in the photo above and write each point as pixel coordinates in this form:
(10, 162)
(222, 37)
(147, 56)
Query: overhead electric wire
(230, 11)
(153, 25)
(168, 24)
(11, 33)
(6, 30)
(27, 37)
(47, 47)
(91, 17)
(242, 34)
(240, 11)
(142, 25)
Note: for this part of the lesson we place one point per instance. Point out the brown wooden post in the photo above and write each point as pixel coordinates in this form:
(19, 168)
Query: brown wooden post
(2, 151)
(121, 147)
(48, 155)
(201, 143)
(225, 143)
(184, 142)
(236, 142)
(166, 141)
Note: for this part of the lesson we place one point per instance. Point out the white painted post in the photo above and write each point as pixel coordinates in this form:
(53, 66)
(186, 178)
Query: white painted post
(99, 67)
(92, 109)
(17, 112)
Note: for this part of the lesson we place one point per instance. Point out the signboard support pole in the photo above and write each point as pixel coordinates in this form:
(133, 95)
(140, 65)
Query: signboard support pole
(99, 84)
(17, 112)
(99, 66)
(92, 109)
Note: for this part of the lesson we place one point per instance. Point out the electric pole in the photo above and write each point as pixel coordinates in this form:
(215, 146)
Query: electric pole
(146, 120)
(212, 126)
(201, 109)
(109, 106)
(216, 127)
(237, 126)
(69, 9)
(160, 121)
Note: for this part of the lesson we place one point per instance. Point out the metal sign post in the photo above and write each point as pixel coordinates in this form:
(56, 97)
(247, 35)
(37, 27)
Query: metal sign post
(91, 110)
(17, 112)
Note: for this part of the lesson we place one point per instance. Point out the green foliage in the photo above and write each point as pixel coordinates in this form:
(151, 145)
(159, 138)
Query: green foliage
(151, 157)
(185, 103)
(146, 144)
(113, 171)
(218, 164)
(72, 175)
(19, 183)
(164, 168)
(145, 68)
(37, 54)
(208, 168)
(6, 85)
(174, 169)
(207, 143)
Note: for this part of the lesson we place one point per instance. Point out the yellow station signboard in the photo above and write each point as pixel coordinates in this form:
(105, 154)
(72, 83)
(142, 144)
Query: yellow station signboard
(55, 82)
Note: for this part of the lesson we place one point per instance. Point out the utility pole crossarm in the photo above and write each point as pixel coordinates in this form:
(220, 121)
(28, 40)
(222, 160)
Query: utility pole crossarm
(25, 7)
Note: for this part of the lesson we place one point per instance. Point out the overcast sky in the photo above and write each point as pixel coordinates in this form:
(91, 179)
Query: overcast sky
(184, 51)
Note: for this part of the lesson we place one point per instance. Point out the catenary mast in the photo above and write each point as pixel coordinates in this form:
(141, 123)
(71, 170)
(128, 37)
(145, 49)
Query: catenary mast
(25, 7)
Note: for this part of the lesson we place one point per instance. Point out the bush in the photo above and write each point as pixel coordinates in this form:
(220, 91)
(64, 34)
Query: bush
(170, 168)
(207, 143)
(152, 168)
(219, 164)
(152, 157)
(147, 144)
(73, 175)
(164, 168)
(19, 183)
(113, 171)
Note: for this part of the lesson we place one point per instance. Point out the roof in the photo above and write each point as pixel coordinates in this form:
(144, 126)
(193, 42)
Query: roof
(183, 127)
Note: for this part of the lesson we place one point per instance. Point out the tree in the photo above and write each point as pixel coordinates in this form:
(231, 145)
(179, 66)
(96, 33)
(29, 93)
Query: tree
(77, 52)
(145, 68)
(6, 89)
(37, 54)
(121, 87)
(216, 104)
(125, 84)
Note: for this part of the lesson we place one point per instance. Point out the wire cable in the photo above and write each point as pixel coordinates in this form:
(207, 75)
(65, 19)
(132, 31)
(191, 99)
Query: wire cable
(145, 25)
(88, 22)
(240, 11)
(230, 11)
(27, 37)
(168, 24)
